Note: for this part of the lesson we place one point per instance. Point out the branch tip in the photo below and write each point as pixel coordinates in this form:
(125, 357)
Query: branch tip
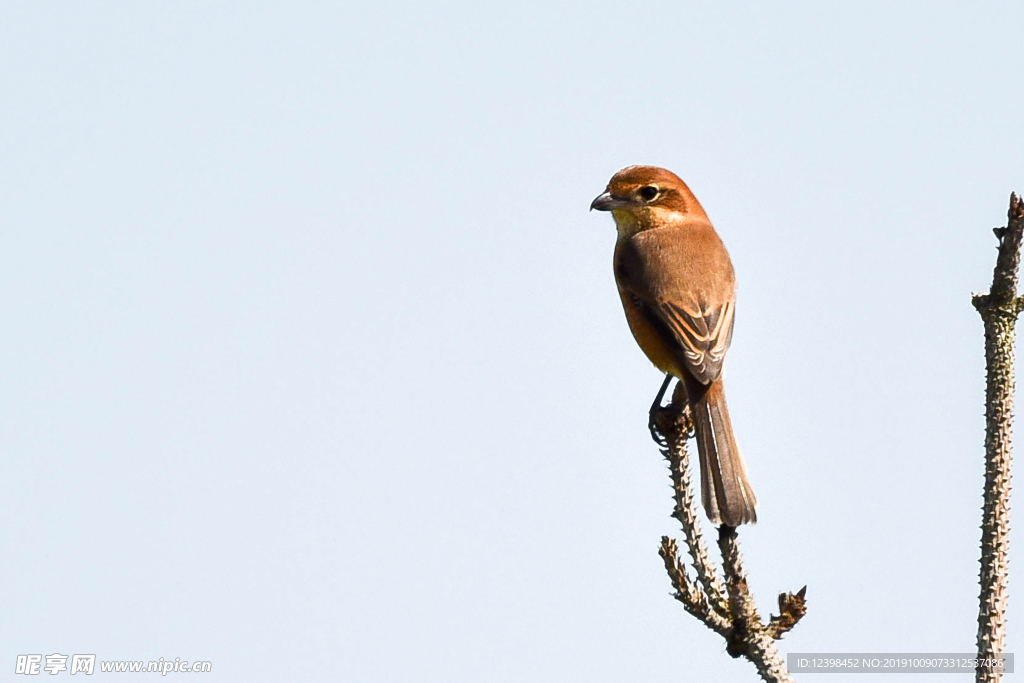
(792, 608)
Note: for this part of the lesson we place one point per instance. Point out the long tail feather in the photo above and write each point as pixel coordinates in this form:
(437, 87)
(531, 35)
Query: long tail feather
(725, 487)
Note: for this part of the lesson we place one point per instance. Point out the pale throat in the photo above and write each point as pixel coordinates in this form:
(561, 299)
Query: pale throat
(628, 224)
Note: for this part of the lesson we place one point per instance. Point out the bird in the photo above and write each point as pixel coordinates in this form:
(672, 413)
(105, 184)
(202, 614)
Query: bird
(678, 290)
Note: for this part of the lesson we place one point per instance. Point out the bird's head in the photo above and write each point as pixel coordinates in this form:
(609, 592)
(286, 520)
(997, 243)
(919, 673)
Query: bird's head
(644, 197)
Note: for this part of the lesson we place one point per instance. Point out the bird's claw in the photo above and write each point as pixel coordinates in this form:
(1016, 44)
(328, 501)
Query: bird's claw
(668, 420)
(656, 433)
(659, 422)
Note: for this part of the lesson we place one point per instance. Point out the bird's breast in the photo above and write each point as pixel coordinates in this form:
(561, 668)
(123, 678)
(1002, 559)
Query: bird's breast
(650, 339)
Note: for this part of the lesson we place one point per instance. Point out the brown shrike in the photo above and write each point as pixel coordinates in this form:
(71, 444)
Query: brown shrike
(677, 286)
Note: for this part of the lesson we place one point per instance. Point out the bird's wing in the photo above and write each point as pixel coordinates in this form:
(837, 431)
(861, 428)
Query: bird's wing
(703, 335)
(663, 280)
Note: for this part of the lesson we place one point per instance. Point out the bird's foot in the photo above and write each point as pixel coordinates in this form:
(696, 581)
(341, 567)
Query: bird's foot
(654, 423)
(667, 420)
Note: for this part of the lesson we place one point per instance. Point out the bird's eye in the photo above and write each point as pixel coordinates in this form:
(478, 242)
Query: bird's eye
(648, 193)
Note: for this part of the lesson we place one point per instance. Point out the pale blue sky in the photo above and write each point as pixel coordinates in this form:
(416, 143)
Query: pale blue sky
(313, 364)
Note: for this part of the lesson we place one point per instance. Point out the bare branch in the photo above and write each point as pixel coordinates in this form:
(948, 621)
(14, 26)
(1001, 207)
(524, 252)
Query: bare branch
(999, 310)
(694, 600)
(728, 610)
(749, 638)
(678, 424)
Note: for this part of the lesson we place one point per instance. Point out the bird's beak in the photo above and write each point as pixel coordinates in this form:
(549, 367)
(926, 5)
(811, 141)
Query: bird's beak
(605, 202)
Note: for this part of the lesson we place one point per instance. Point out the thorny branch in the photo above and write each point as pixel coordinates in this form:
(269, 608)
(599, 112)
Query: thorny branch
(999, 310)
(723, 604)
